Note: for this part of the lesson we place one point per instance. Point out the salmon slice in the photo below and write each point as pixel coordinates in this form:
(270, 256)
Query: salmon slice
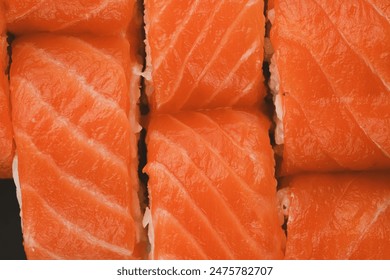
(71, 16)
(74, 117)
(270, 4)
(337, 216)
(6, 137)
(211, 187)
(6, 140)
(204, 54)
(331, 76)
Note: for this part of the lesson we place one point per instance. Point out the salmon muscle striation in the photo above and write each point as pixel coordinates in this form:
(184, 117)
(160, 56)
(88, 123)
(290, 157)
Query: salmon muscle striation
(212, 188)
(76, 137)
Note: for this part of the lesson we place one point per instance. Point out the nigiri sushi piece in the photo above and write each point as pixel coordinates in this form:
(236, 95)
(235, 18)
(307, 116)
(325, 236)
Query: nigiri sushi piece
(331, 78)
(71, 16)
(6, 138)
(337, 216)
(74, 119)
(212, 188)
(204, 54)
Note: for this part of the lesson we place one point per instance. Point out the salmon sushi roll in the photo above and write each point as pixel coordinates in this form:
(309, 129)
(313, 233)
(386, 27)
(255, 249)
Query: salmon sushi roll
(75, 124)
(337, 216)
(331, 78)
(6, 138)
(211, 186)
(204, 54)
(69, 16)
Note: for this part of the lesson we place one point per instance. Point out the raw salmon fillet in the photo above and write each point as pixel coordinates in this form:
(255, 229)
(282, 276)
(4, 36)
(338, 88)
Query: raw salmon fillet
(70, 16)
(204, 54)
(337, 216)
(331, 76)
(270, 4)
(211, 187)
(6, 142)
(75, 132)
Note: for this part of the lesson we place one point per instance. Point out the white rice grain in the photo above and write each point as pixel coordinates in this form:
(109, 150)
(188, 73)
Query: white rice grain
(275, 90)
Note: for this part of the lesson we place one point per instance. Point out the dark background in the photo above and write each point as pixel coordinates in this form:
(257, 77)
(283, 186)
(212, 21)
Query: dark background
(11, 246)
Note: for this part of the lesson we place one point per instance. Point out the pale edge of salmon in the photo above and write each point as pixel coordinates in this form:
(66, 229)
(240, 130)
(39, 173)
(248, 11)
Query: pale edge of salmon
(276, 95)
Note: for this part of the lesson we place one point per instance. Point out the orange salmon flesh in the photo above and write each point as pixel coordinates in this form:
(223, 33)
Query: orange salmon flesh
(195, 130)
